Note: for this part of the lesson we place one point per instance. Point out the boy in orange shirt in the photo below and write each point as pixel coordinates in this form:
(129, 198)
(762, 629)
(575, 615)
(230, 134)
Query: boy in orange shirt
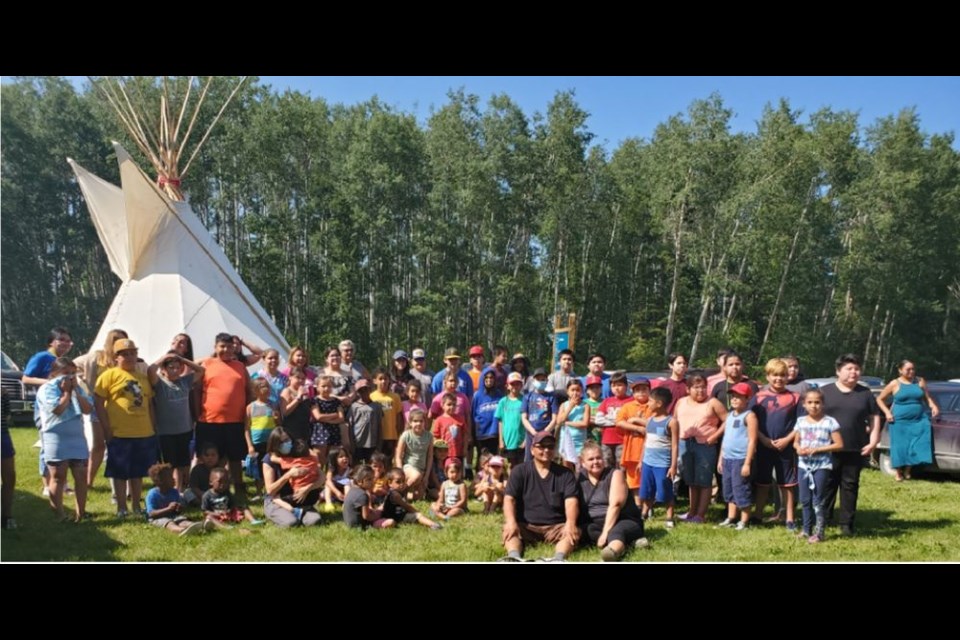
(631, 418)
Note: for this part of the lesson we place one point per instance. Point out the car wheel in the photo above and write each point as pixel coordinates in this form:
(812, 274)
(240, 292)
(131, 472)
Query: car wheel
(886, 464)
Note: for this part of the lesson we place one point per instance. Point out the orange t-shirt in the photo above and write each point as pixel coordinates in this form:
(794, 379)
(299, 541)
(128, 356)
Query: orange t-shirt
(632, 441)
(224, 391)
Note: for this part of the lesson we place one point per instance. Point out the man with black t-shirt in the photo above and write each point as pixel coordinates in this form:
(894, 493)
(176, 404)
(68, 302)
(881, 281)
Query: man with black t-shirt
(855, 409)
(541, 504)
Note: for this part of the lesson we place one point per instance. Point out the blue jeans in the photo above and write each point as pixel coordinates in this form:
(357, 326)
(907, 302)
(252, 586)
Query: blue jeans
(813, 489)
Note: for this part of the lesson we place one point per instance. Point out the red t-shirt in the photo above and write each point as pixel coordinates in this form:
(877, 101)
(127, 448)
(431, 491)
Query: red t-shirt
(612, 435)
(451, 430)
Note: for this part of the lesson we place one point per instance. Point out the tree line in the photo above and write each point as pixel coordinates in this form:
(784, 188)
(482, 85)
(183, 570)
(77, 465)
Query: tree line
(814, 234)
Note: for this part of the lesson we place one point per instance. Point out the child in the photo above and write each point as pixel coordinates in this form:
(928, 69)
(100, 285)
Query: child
(539, 410)
(736, 454)
(776, 411)
(630, 419)
(219, 505)
(484, 409)
(200, 475)
(574, 415)
(490, 482)
(611, 438)
(509, 419)
(397, 509)
(326, 431)
(817, 435)
(378, 462)
(659, 454)
(391, 409)
(357, 512)
(594, 400)
(462, 403)
(415, 454)
(172, 392)
(338, 477)
(414, 401)
(453, 493)
(450, 428)
(298, 407)
(163, 504)
(364, 418)
(261, 420)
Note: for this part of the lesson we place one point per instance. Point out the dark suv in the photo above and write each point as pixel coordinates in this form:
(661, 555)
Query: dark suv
(21, 396)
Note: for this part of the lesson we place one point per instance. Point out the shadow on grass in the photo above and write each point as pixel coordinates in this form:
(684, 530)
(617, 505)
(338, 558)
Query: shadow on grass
(39, 537)
(883, 524)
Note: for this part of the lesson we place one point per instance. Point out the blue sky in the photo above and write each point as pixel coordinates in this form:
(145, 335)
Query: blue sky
(622, 107)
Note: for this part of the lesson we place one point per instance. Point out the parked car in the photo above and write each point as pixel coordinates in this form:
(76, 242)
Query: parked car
(946, 432)
(21, 396)
(874, 383)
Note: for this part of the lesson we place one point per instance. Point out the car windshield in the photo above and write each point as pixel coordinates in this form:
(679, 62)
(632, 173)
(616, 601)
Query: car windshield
(8, 363)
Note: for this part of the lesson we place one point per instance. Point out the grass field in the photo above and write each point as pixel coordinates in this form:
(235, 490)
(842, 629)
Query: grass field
(910, 521)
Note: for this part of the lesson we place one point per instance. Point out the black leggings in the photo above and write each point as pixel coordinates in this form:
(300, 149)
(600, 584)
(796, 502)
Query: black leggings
(625, 530)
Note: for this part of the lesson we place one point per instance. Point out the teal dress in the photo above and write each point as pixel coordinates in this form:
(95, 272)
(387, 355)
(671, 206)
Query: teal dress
(910, 437)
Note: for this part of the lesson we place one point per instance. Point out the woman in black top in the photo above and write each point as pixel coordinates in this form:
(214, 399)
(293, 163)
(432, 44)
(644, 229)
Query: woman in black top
(608, 514)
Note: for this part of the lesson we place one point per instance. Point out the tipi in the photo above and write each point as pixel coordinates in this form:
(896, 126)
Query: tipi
(176, 278)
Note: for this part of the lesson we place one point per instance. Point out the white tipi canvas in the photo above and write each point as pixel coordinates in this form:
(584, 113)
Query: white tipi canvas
(175, 277)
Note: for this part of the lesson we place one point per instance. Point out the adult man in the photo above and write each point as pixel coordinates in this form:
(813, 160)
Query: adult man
(223, 406)
(59, 344)
(541, 504)
(596, 364)
(451, 358)
(423, 375)
(349, 366)
(855, 409)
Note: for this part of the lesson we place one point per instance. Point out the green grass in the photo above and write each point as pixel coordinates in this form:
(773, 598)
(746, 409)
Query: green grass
(911, 521)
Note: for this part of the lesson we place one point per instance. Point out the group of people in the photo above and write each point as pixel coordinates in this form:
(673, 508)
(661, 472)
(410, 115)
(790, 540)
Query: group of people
(566, 458)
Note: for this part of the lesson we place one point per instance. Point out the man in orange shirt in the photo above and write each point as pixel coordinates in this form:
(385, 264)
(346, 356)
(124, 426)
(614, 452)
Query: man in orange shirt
(226, 393)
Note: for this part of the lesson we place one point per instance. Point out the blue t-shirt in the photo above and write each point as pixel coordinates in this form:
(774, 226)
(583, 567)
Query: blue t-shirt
(39, 365)
(484, 406)
(656, 450)
(540, 408)
(464, 386)
(158, 500)
(735, 440)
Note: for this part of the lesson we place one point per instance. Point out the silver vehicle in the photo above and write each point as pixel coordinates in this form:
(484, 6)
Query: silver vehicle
(21, 396)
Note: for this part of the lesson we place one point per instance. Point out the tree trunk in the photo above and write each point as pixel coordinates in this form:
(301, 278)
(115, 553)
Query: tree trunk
(674, 287)
(873, 322)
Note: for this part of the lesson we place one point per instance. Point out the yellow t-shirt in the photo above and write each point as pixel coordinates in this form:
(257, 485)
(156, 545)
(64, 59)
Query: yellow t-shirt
(392, 407)
(127, 397)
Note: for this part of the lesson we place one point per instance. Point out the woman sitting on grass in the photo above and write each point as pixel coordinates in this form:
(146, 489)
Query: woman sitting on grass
(283, 505)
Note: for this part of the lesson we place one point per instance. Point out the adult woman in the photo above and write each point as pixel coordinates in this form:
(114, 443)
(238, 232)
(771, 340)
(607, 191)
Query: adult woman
(610, 520)
(280, 502)
(700, 418)
(272, 374)
(342, 389)
(62, 404)
(400, 374)
(910, 437)
(521, 364)
(351, 366)
(89, 367)
(183, 345)
(298, 357)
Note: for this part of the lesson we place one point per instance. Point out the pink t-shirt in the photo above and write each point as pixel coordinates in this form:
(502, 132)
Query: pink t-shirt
(696, 419)
(410, 406)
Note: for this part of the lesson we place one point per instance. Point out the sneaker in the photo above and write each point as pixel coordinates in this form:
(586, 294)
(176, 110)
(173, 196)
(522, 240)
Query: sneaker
(803, 535)
(814, 539)
(257, 522)
(668, 524)
(609, 554)
(727, 522)
(122, 513)
(641, 543)
(508, 558)
(695, 520)
(791, 525)
(551, 559)
(685, 517)
(192, 530)
(436, 526)
(846, 530)
(741, 526)
(208, 525)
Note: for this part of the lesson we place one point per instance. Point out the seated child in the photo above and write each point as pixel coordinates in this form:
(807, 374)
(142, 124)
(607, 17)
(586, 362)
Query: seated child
(200, 474)
(490, 482)
(395, 506)
(219, 505)
(338, 477)
(163, 504)
(453, 493)
(357, 511)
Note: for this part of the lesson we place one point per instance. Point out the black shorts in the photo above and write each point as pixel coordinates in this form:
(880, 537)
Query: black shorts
(228, 436)
(768, 460)
(175, 449)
